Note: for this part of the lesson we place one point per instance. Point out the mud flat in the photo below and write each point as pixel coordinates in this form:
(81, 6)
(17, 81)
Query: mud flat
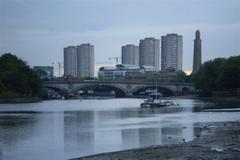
(213, 141)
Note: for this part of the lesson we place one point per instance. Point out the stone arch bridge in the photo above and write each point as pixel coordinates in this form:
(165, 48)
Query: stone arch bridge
(125, 88)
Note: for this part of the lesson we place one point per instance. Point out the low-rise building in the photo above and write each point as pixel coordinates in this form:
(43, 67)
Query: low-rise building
(44, 72)
(122, 71)
(137, 73)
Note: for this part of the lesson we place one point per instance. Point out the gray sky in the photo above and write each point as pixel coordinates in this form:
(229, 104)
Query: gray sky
(37, 30)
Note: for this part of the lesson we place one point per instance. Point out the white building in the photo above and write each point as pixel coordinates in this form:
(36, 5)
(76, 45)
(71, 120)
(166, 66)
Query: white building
(120, 71)
(149, 52)
(130, 54)
(171, 51)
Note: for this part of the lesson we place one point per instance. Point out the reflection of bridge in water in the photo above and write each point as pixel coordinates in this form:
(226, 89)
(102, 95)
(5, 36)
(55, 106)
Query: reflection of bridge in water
(121, 88)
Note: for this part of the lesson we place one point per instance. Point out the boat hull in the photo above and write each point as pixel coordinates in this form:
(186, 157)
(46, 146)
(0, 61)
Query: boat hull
(152, 105)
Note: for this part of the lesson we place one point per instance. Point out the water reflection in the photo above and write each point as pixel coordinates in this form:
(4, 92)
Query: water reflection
(78, 135)
(130, 135)
(28, 136)
(91, 132)
(66, 129)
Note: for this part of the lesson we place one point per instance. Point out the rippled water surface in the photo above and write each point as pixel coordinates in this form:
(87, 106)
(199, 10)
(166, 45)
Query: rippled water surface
(57, 130)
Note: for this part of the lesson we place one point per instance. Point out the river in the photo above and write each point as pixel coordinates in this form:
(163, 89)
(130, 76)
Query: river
(63, 129)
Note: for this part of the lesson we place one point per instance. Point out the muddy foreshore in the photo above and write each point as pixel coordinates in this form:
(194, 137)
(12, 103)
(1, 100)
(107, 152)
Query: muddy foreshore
(213, 141)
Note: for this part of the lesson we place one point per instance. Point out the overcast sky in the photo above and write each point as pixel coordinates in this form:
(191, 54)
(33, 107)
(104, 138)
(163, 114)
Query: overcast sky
(38, 30)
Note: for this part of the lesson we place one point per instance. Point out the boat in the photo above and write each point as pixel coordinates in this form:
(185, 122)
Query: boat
(154, 101)
(153, 104)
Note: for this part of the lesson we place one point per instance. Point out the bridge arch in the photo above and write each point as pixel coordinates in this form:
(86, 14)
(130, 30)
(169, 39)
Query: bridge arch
(56, 88)
(186, 89)
(103, 87)
(165, 91)
(55, 92)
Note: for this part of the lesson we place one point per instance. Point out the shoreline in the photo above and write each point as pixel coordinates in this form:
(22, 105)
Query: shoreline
(233, 99)
(213, 98)
(221, 99)
(218, 140)
(20, 100)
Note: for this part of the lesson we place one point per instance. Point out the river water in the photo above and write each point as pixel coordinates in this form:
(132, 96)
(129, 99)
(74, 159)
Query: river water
(59, 129)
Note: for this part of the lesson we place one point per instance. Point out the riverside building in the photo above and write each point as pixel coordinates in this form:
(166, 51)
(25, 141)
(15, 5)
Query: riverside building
(79, 61)
(121, 71)
(149, 52)
(130, 54)
(70, 61)
(85, 60)
(171, 51)
(44, 72)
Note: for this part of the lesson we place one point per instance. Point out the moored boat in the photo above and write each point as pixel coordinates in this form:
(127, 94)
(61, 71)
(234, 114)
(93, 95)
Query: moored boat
(153, 101)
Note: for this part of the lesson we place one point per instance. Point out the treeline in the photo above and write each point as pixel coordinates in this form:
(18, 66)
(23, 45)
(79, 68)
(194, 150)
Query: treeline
(17, 79)
(219, 74)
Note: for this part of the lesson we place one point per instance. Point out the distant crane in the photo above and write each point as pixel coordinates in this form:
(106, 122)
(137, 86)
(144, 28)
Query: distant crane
(116, 59)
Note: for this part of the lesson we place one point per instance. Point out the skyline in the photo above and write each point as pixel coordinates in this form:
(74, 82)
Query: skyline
(36, 30)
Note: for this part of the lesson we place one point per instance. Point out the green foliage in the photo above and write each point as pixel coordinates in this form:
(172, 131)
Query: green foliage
(17, 79)
(230, 77)
(219, 74)
(188, 78)
(181, 76)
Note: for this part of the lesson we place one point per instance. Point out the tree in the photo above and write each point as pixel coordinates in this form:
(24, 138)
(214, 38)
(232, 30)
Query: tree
(205, 79)
(219, 74)
(229, 78)
(17, 78)
(181, 76)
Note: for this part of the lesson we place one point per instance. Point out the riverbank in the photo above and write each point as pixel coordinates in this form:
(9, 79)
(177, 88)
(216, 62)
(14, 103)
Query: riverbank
(213, 98)
(20, 100)
(222, 99)
(213, 141)
(220, 102)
